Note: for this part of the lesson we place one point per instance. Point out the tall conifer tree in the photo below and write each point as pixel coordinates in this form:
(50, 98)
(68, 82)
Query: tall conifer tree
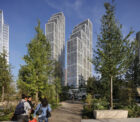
(5, 75)
(113, 54)
(35, 74)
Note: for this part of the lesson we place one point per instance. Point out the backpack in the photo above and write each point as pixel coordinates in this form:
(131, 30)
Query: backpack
(20, 109)
(48, 113)
(39, 111)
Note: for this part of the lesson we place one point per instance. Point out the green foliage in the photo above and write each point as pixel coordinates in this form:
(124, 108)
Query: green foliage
(40, 75)
(114, 52)
(93, 104)
(126, 99)
(34, 76)
(89, 99)
(93, 86)
(5, 75)
(58, 74)
(6, 114)
(133, 110)
(87, 112)
(100, 104)
(116, 56)
(132, 75)
(64, 93)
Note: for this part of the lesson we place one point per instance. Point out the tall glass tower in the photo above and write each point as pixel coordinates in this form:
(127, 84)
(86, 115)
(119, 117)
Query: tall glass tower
(55, 34)
(4, 36)
(79, 51)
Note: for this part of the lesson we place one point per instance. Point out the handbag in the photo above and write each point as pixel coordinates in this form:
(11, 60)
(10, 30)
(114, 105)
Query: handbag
(48, 113)
(34, 120)
(39, 112)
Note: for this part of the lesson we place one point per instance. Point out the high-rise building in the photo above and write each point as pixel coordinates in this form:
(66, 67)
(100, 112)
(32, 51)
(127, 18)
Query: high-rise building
(65, 83)
(79, 51)
(138, 38)
(4, 36)
(55, 34)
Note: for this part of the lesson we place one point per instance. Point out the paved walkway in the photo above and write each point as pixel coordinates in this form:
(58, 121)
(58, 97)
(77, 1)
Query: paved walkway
(68, 112)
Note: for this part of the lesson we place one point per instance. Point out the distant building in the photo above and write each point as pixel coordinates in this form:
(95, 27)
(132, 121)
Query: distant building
(4, 36)
(65, 84)
(55, 34)
(79, 51)
(138, 38)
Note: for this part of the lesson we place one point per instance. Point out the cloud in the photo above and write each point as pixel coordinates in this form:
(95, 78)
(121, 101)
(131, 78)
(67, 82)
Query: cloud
(67, 6)
(82, 9)
(52, 4)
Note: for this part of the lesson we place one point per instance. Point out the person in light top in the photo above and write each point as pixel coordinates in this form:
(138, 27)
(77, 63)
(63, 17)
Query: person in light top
(42, 109)
(27, 109)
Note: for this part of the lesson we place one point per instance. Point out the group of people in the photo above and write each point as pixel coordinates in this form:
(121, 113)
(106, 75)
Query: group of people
(26, 112)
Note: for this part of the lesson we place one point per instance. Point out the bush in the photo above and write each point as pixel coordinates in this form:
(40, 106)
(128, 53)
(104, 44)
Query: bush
(6, 114)
(100, 104)
(89, 99)
(87, 112)
(93, 104)
(133, 110)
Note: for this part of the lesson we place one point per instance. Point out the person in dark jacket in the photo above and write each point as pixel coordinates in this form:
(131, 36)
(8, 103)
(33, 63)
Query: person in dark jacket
(22, 110)
(32, 107)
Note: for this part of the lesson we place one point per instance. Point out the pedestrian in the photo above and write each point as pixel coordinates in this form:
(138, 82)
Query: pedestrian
(32, 107)
(22, 110)
(43, 111)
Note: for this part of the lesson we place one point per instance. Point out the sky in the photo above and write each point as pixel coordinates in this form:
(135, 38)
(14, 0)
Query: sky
(22, 17)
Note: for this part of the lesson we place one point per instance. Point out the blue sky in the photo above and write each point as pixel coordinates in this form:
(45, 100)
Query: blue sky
(22, 16)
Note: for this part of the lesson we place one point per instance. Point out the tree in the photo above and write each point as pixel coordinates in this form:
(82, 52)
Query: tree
(5, 75)
(58, 74)
(93, 86)
(35, 74)
(132, 75)
(113, 55)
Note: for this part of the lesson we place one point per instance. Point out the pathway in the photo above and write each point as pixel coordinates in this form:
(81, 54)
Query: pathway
(68, 112)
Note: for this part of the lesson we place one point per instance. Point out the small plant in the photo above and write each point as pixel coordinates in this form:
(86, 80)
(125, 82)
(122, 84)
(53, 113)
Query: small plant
(93, 104)
(133, 110)
(7, 113)
(89, 99)
(100, 104)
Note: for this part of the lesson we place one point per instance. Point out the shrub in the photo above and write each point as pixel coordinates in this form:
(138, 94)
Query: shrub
(93, 104)
(89, 99)
(87, 112)
(100, 104)
(6, 114)
(133, 110)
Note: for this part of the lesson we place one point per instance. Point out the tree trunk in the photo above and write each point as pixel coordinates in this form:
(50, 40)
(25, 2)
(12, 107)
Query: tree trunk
(57, 98)
(36, 98)
(2, 97)
(111, 92)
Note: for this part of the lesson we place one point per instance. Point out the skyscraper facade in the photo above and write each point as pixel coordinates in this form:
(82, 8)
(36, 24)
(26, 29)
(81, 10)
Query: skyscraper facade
(79, 51)
(55, 34)
(4, 36)
(138, 38)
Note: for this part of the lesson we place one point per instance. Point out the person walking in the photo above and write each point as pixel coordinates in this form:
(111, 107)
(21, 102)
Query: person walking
(23, 109)
(43, 111)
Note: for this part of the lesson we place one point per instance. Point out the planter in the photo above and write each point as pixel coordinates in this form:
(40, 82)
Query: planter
(110, 114)
(112, 120)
